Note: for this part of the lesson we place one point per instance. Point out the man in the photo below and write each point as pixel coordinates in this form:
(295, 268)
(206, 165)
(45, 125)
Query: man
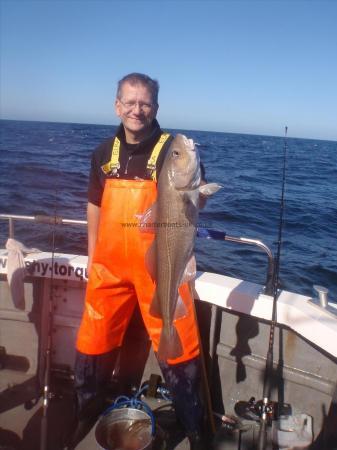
(122, 185)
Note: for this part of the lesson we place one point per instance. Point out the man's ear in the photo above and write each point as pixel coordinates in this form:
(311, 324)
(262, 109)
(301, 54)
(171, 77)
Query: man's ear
(118, 110)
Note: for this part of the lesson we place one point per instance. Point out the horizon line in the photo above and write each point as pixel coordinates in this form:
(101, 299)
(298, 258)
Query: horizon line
(169, 128)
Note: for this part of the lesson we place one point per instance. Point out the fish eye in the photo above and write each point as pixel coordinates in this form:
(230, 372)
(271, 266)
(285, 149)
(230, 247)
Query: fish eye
(175, 153)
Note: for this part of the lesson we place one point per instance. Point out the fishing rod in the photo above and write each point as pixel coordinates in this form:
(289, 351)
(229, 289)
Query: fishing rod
(47, 394)
(267, 407)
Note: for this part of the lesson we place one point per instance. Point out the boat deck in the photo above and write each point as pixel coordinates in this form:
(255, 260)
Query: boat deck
(234, 325)
(21, 414)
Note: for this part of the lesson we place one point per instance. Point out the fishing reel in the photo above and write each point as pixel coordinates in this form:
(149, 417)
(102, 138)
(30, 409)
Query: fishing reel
(253, 410)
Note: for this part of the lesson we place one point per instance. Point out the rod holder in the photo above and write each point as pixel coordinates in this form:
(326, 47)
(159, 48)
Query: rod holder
(322, 295)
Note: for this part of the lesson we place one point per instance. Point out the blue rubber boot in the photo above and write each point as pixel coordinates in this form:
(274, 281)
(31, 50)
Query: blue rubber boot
(92, 376)
(183, 382)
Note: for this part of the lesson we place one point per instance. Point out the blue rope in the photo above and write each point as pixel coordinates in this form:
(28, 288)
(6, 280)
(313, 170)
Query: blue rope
(134, 402)
(141, 390)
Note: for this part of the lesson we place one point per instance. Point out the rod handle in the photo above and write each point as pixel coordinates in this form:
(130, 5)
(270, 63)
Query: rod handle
(43, 433)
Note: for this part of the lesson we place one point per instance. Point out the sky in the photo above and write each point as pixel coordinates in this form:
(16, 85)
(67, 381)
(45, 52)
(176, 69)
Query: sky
(229, 66)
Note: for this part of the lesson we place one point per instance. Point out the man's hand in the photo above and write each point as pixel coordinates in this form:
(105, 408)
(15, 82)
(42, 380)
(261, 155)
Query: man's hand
(93, 215)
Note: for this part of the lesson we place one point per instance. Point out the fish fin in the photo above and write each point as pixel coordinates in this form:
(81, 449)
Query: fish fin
(190, 270)
(209, 189)
(155, 307)
(150, 262)
(147, 219)
(181, 310)
(170, 346)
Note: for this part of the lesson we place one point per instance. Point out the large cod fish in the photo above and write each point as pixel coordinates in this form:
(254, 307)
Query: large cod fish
(170, 258)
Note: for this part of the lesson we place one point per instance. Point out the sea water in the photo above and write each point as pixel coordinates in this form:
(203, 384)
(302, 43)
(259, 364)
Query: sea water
(45, 167)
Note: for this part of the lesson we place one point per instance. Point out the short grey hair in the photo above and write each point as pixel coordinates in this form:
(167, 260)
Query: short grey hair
(139, 78)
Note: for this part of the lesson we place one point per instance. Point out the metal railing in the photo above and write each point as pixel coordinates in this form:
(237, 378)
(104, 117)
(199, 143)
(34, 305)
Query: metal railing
(222, 236)
(202, 233)
(51, 220)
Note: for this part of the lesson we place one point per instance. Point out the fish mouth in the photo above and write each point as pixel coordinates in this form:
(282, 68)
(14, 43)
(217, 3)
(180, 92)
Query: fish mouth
(189, 143)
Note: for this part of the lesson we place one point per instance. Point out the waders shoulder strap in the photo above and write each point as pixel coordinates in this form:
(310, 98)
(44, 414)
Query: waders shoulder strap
(113, 165)
(151, 164)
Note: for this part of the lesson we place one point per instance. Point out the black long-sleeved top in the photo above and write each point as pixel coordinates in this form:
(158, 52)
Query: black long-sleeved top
(133, 159)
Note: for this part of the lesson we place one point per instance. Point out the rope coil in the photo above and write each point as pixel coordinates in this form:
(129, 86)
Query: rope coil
(132, 402)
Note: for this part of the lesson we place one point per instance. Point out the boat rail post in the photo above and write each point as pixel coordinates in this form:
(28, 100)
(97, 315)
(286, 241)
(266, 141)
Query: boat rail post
(11, 228)
(223, 236)
(262, 246)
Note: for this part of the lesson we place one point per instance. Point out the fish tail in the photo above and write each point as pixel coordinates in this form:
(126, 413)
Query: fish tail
(170, 346)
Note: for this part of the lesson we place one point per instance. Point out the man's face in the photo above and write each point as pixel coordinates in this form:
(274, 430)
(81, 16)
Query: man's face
(135, 108)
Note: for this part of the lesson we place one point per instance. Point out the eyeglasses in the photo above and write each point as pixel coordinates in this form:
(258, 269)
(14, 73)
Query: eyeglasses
(144, 107)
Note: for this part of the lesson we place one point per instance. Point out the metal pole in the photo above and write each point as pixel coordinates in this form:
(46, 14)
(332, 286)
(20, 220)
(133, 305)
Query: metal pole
(11, 228)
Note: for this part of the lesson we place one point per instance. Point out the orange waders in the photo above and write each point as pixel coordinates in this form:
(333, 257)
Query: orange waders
(118, 276)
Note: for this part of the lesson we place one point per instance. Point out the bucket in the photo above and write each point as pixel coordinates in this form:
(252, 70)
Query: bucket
(124, 429)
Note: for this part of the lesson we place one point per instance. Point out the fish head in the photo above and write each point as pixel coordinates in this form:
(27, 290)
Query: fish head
(183, 164)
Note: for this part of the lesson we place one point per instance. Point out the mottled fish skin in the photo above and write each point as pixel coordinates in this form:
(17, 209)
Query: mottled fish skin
(176, 220)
